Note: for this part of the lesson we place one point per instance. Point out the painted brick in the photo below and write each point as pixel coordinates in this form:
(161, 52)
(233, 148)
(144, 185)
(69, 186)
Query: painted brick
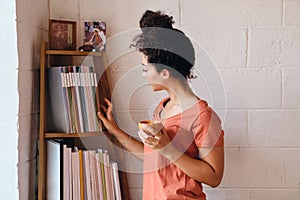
(34, 8)
(291, 168)
(235, 128)
(209, 86)
(214, 93)
(230, 13)
(291, 10)
(129, 94)
(25, 86)
(125, 16)
(29, 59)
(223, 47)
(275, 128)
(291, 89)
(226, 194)
(252, 88)
(129, 61)
(64, 10)
(128, 120)
(253, 168)
(270, 173)
(274, 46)
(274, 194)
(118, 48)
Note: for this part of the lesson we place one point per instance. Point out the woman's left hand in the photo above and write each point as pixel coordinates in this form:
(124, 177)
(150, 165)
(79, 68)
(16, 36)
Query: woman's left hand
(163, 145)
(160, 140)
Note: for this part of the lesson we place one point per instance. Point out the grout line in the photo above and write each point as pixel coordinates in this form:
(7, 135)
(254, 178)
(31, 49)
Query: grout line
(247, 127)
(283, 181)
(247, 46)
(180, 13)
(282, 12)
(281, 89)
(248, 194)
(244, 148)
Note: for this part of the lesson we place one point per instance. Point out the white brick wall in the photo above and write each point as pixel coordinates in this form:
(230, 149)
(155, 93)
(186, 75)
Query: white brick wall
(32, 24)
(254, 47)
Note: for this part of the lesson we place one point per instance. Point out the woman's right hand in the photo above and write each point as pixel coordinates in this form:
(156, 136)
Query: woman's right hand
(108, 120)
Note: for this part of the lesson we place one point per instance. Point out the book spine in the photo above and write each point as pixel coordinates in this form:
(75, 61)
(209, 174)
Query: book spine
(58, 119)
(116, 181)
(80, 174)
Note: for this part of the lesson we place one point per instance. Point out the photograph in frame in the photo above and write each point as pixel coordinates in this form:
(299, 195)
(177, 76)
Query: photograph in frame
(62, 35)
(95, 35)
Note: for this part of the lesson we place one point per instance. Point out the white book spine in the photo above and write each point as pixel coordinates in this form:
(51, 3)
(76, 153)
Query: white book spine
(116, 181)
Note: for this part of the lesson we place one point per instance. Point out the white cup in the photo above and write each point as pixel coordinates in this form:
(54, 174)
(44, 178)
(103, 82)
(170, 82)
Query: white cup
(149, 128)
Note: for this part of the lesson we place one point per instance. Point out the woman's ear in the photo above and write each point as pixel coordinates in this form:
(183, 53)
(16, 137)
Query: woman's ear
(165, 74)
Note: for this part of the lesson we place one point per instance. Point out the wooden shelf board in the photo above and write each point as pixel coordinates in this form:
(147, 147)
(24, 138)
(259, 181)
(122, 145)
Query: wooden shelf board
(73, 53)
(72, 135)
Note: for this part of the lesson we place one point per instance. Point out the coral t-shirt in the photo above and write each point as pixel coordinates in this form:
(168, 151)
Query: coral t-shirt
(198, 126)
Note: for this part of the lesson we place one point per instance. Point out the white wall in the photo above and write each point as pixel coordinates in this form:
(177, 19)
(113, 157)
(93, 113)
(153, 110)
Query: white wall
(249, 68)
(9, 101)
(32, 25)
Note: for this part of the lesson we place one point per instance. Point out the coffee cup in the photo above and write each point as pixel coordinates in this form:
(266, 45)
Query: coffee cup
(149, 128)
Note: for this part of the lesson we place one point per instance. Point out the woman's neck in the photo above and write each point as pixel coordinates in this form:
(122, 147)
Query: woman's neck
(181, 95)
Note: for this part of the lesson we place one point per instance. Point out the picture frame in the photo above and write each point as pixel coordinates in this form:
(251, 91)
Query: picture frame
(62, 35)
(94, 36)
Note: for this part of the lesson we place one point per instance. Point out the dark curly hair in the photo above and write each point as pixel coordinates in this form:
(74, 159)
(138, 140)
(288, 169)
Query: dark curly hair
(165, 46)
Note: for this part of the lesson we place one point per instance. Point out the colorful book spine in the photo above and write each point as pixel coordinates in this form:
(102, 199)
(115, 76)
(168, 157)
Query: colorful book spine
(74, 174)
(72, 105)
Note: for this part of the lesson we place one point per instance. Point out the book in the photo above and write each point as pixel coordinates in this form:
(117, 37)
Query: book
(87, 176)
(71, 99)
(67, 187)
(103, 178)
(74, 174)
(54, 173)
(116, 181)
(91, 154)
(81, 175)
(58, 109)
(99, 176)
(107, 174)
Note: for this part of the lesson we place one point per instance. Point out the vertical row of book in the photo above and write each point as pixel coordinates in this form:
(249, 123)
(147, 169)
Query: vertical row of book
(74, 174)
(72, 105)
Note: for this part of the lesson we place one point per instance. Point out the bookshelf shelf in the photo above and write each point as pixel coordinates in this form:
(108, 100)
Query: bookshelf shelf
(72, 135)
(73, 53)
(48, 59)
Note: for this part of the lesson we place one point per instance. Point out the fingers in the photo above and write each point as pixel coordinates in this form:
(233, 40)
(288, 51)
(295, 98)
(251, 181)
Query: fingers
(103, 108)
(108, 102)
(163, 131)
(109, 109)
(151, 142)
(148, 130)
(100, 116)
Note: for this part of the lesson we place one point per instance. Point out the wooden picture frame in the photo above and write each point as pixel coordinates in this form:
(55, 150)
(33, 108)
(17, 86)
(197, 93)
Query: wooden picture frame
(95, 35)
(62, 35)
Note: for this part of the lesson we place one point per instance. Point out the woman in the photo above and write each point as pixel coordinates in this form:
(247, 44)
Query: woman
(189, 150)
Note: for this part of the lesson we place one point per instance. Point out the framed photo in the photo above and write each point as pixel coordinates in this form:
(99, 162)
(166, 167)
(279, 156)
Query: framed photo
(62, 35)
(95, 35)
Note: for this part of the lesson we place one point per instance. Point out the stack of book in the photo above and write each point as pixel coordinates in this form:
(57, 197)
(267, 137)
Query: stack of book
(74, 174)
(72, 105)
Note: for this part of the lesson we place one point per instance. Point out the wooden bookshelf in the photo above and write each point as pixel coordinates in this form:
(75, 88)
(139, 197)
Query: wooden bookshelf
(73, 53)
(72, 135)
(49, 58)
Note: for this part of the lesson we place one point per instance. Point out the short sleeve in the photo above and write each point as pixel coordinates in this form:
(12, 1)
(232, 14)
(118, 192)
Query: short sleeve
(207, 130)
